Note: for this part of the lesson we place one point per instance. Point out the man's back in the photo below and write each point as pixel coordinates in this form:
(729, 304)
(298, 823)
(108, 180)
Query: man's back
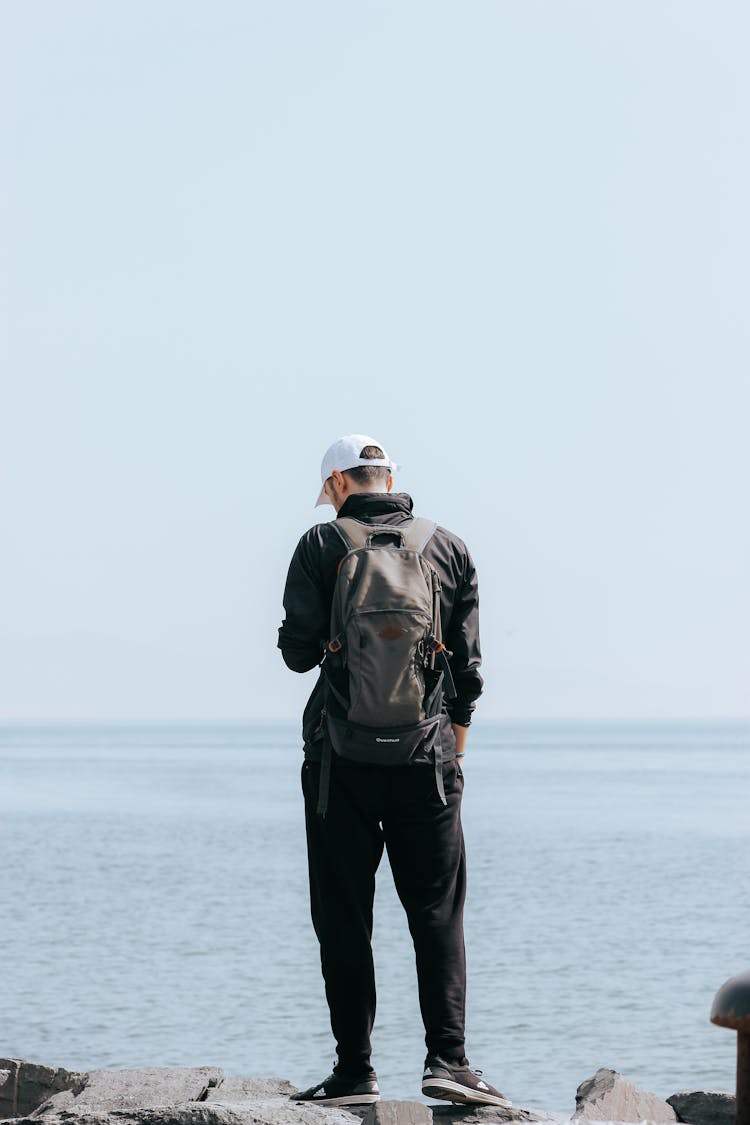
(309, 593)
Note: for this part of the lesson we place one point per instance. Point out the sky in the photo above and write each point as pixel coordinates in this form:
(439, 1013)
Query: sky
(508, 239)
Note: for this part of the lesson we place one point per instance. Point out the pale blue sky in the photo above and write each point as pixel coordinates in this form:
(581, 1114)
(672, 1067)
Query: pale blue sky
(509, 239)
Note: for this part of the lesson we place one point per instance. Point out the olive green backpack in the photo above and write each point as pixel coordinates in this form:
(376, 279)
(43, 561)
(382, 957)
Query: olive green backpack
(386, 667)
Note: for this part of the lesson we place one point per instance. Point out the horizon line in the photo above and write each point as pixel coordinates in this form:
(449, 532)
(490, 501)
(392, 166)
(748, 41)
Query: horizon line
(89, 720)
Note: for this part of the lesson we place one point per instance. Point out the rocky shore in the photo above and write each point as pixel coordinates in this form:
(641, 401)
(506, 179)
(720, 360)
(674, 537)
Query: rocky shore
(34, 1094)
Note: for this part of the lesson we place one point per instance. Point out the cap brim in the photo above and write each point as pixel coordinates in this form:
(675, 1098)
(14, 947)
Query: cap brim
(322, 498)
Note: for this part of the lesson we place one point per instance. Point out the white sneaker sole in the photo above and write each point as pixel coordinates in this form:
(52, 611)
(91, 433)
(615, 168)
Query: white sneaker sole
(348, 1099)
(447, 1091)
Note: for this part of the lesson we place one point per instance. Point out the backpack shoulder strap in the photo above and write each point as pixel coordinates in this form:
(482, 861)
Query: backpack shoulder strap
(418, 533)
(354, 533)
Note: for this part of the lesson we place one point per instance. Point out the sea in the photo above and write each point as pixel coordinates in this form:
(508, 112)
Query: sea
(154, 906)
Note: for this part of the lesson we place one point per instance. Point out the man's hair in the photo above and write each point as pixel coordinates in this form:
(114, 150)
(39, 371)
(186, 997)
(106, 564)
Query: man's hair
(369, 474)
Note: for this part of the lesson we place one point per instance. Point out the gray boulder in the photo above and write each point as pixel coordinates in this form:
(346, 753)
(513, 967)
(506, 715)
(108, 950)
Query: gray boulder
(398, 1113)
(704, 1107)
(36, 1095)
(148, 1087)
(193, 1113)
(25, 1085)
(485, 1114)
(250, 1089)
(610, 1097)
(270, 1101)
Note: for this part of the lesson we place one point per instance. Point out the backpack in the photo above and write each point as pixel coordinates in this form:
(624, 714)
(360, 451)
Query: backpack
(386, 669)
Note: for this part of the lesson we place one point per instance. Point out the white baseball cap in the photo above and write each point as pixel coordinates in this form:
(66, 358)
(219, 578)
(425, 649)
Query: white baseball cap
(346, 454)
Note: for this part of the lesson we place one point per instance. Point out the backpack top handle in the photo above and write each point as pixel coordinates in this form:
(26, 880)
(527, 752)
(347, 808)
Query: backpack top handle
(388, 534)
(413, 536)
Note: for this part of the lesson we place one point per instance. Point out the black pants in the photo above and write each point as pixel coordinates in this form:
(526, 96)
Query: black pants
(399, 807)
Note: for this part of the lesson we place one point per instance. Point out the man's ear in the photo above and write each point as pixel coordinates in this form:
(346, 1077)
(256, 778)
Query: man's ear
(338, 488)
(389, 484)
(339, 480)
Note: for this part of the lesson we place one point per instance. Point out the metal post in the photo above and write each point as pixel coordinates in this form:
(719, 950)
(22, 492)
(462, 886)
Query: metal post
(731, 1008)
(743, 1078)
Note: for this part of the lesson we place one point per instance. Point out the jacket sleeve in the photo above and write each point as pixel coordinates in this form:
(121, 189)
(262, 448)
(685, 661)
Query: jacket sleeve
(304, 630)
(463, 641)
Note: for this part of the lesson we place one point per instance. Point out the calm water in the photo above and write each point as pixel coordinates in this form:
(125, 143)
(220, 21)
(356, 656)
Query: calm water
(154, 905)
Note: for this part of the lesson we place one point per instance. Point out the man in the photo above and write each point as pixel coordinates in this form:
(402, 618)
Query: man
(369, 806)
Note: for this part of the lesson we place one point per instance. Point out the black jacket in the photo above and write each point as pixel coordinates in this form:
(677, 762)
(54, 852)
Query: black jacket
(309, 592)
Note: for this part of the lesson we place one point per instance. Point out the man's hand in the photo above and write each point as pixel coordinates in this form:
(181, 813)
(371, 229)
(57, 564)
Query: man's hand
(461, 734)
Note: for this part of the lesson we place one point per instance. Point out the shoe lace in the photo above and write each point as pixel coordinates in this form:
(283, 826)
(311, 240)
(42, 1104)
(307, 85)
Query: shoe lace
(473, 1069)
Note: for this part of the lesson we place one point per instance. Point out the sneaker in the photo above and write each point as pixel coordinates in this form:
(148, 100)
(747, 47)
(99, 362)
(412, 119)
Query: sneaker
(457, 1082)
(338, 1089)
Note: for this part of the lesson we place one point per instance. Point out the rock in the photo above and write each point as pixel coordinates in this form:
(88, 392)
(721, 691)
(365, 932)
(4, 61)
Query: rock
(203, 1096)
(295, 1113)
(37, 1095)
(250, 1089)
(25, 1085)
(147, 1087)
(274, 1111)
(610, 1097)
(704, 1107)
(193, 1113)
(8, 1087)
(485, 1114)
(398, 1113)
